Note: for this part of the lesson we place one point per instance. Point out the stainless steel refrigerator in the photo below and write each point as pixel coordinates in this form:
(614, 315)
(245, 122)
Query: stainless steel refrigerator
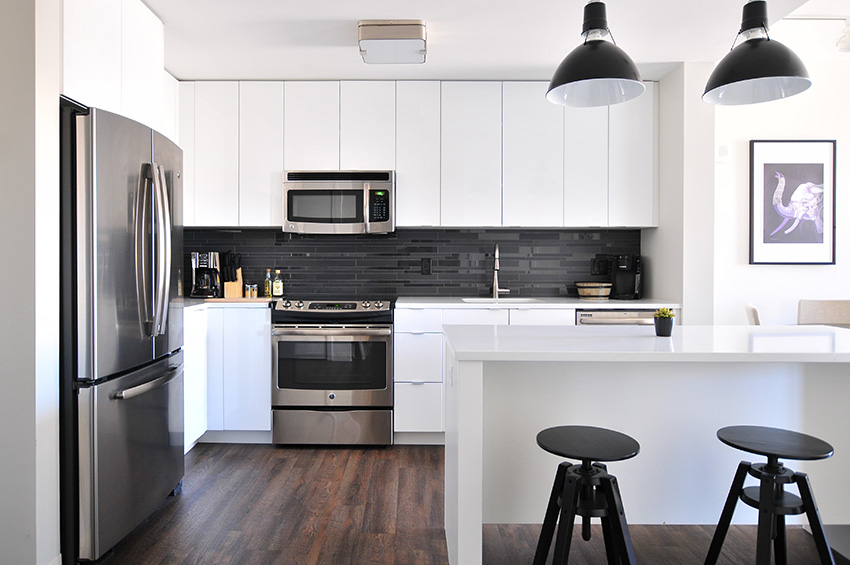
(121, 369)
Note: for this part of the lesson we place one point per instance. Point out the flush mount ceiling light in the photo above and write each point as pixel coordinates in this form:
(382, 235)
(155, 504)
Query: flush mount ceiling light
(392, 41)
(597, 72)
(758, 70)
(843, 42)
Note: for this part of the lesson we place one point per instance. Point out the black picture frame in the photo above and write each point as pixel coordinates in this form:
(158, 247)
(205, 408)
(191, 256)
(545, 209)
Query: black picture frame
(792, 202)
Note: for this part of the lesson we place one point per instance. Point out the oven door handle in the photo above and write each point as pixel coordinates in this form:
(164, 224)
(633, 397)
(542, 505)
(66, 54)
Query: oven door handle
(322, 332)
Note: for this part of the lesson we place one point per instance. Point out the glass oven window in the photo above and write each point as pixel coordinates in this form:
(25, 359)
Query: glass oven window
(332, 365)
(325, 206)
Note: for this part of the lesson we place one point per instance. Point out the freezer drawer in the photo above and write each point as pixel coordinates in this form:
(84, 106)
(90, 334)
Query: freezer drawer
(130, 451)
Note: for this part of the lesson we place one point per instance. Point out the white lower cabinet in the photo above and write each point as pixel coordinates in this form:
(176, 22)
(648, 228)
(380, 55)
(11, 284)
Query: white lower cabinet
(418, 407)
(418, 371)
(543, 317)
(194, 375)
(239, 369)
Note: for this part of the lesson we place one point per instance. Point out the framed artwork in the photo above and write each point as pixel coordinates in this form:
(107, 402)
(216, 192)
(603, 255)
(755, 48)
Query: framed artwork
(792, 202)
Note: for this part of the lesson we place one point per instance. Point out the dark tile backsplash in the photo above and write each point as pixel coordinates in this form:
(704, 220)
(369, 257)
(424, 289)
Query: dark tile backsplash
(533, 262)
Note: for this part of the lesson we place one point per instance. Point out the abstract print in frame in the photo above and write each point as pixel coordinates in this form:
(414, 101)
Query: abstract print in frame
(792, 202)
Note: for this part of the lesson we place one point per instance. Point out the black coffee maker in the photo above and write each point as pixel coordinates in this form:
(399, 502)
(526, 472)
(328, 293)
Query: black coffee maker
(206, 280)
(625, 277)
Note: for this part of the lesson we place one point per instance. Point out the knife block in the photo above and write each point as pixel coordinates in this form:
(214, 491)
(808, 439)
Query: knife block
(234, 289)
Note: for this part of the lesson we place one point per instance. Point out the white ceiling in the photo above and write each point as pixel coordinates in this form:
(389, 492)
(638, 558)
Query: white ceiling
(467, 39)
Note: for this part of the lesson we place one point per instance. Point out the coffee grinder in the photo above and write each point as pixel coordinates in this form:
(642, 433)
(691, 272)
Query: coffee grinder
(206, 280)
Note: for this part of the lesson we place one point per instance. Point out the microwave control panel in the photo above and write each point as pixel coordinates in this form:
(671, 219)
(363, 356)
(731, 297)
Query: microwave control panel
(379, 205)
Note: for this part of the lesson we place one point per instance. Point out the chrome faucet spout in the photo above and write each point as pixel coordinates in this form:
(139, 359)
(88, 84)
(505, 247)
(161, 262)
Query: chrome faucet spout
(496, 290)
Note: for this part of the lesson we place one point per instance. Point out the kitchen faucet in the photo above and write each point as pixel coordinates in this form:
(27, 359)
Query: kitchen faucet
(496, 290)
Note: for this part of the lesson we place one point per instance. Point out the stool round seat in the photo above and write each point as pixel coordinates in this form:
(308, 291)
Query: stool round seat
(587, 443)
(775, 442)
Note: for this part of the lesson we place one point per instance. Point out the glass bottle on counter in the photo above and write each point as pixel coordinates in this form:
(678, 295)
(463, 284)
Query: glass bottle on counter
(277, 285)
(267, 284)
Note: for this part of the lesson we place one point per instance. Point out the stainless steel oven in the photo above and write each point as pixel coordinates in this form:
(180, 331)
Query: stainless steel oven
(332, 372)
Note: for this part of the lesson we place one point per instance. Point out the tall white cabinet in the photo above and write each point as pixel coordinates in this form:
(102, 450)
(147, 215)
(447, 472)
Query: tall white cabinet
(417, 162)
(260, 153)
(471, 154)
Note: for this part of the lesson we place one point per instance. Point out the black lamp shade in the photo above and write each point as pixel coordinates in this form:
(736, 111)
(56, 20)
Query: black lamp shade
(758, 70)
(596, 73)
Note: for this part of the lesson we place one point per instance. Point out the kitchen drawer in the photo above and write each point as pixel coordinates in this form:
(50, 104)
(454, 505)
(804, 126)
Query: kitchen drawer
(418, 321)
(418, 407)
(475, 316)
(543, 317)
(418, 358)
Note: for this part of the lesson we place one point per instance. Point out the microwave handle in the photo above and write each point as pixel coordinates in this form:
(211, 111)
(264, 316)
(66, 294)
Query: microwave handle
(367, 227)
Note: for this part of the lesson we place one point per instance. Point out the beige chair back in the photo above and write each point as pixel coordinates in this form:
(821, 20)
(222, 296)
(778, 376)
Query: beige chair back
(752, 315)
(823, 312)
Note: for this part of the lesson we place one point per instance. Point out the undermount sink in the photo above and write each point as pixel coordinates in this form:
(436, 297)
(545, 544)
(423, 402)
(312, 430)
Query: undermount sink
(500, 300)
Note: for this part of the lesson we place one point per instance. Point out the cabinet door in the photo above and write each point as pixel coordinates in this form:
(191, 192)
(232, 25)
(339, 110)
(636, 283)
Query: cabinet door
(417, 153)
(186, 141)
(532, 157)
(475, 316)
(418, 358)
(586, 167)
(247, 369)
(142, 61)
(543, 317)
(216, 153)
(418, 407)
(194, 375)
(471, 154)
(215, 369)
(366, 125)
(632, 192)
(311, 126)
(260, 153)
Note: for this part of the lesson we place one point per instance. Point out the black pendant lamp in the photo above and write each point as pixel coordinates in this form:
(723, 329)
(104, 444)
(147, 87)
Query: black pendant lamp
(597, 72)
(758, 70)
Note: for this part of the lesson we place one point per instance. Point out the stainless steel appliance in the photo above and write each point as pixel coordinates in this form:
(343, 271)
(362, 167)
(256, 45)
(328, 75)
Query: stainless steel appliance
(206, 275)
(121, 368)
(339, 201)
(612, 317)
(332, 372)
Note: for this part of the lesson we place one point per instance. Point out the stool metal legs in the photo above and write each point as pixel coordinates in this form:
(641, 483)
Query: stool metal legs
(773, 504)
(587, 491)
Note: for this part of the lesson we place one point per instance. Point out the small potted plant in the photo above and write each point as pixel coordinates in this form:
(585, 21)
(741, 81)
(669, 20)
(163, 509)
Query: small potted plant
(664, 321)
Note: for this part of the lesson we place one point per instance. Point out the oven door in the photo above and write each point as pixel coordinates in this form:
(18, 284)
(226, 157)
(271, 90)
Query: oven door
(332, 366)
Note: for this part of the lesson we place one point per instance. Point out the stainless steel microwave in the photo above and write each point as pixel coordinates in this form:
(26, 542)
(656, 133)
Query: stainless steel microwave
(339, 202)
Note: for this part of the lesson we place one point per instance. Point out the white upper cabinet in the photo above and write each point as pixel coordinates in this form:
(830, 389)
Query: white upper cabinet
(532, 157)
(260, 153)
(471, 154)
(186, 140)
(311, 126)
(142, 62)
(367, 116)
(586, 167)
(417, 153)
(632, 181)
(216, 153)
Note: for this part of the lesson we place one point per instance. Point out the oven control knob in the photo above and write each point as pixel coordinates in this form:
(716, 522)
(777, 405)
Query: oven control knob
(299, 304)
(287, 304)
(331, 396)
(379, 304)
(366, 304)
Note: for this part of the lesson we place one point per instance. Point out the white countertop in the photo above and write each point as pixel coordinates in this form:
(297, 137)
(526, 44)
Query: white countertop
(418, 302)
(803, 344)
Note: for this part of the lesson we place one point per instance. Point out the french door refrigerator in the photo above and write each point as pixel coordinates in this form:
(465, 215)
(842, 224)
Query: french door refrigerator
(121, 368)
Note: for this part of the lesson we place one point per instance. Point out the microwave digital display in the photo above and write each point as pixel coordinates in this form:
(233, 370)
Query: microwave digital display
(326, 206)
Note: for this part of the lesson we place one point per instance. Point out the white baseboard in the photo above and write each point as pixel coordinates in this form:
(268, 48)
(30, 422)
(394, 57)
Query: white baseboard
(419, 438)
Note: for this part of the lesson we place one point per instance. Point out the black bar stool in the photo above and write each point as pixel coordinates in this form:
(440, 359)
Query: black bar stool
(586, 490)
(770, 498)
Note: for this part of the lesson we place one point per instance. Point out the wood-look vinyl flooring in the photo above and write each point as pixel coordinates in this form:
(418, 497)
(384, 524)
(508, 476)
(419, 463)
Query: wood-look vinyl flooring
(265, 505)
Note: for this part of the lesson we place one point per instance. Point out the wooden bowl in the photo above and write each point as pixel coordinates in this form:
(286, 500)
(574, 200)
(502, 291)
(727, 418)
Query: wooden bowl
(594, 290)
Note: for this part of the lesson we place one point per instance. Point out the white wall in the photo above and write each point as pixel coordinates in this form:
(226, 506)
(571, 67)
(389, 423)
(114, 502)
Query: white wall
(30, 50)
(819, 113)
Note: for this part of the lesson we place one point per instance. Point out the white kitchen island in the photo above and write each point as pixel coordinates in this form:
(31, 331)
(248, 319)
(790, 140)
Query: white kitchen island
(506, 383)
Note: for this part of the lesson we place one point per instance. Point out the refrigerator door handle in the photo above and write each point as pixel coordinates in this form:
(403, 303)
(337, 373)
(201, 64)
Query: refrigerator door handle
(139, 390)
(143, 250)
(163, 251)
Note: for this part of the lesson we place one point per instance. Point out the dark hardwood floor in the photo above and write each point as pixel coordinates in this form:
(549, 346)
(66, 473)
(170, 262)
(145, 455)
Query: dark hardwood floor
(259, 504)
